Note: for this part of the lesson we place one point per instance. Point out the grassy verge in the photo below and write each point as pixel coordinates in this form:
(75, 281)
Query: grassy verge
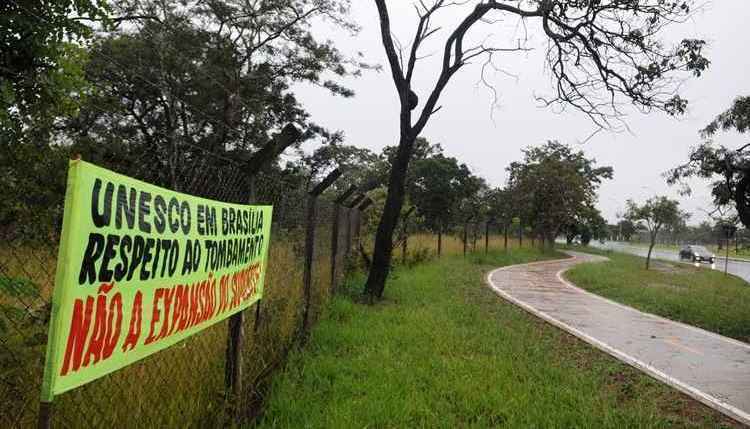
(444, 351)
(696, 296)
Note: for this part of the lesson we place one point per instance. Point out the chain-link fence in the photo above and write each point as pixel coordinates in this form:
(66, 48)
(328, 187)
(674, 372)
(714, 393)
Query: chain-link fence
(221, 374)
(189, 384)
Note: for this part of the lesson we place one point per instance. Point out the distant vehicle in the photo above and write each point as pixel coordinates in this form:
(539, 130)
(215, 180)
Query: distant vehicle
(697, 254)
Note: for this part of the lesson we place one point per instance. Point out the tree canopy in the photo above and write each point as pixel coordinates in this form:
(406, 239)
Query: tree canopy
(41, 60)
(728, 168)
(438, 185)
(150, 88)
(555, 186)
(655, 214)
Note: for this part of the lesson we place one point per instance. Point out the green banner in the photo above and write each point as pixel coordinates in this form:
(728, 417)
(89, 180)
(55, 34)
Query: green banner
(141, 268)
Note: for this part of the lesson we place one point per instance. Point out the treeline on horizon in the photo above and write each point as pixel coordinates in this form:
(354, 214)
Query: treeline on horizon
(150, 88)
(170, 91)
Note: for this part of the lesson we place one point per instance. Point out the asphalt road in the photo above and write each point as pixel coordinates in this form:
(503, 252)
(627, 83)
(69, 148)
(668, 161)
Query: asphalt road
(738, 268)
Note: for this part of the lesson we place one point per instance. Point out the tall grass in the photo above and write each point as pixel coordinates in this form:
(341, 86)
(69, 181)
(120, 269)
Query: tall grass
(181, 385)
(184, 384)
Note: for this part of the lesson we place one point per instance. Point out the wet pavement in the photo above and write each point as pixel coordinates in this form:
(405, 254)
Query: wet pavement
(707, 366)
(739, 268)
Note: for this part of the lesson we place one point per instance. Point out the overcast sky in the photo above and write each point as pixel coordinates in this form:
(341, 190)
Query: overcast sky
(488, 140)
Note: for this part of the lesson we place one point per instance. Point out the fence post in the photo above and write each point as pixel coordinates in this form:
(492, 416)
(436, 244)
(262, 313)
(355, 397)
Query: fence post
(366, 203)
(44, 419)
(405, 235)
(233, 360)
(357, 226)
(335, 232)
(311, 220)
(348, 232)
(256, 323)
(350, 219)
(233, 365)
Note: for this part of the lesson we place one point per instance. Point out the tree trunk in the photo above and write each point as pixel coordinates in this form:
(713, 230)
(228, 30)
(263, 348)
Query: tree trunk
(550, 242)
(650, 248)
(474, 235)
(381, 256)
(466, 237)
(440, 240)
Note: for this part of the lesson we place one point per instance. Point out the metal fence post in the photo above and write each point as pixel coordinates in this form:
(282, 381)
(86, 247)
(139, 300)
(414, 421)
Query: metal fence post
(358, 227)
(311, 220)
(44, 419)
(233, 366)
(348, 232)
(366, 203)
(405, 234)
(233, 363)
(335, 232)
(256, 323)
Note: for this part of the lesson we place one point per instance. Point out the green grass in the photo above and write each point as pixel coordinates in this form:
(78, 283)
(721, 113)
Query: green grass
(444, 351)
(696, 296)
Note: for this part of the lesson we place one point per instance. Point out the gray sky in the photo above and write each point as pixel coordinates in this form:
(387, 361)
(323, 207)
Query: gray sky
(488, 140)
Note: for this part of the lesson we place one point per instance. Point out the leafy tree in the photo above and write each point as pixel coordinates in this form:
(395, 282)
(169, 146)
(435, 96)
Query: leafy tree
(626, 229)
(473, 206)
(502, 210)
(40, 65)
(555, 186)
(206, 77)
(600, 54)
(703, 233)
(729, 168)
(436, 188)
(587, 225)
(655, 214)
(41, 78)
(361, 165)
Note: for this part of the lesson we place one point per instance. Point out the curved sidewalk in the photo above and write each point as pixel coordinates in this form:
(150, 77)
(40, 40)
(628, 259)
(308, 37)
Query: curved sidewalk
(709, 367)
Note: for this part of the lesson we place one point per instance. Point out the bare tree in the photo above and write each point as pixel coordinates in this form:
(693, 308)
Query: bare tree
(601, 54)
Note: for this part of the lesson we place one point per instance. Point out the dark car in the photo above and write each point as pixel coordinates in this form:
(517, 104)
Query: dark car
(697, 254)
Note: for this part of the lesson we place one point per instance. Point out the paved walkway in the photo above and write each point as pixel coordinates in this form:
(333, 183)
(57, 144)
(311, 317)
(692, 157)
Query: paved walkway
(709, 367)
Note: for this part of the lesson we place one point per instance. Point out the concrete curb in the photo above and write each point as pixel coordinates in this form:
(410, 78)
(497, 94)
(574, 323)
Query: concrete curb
(711, 401)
